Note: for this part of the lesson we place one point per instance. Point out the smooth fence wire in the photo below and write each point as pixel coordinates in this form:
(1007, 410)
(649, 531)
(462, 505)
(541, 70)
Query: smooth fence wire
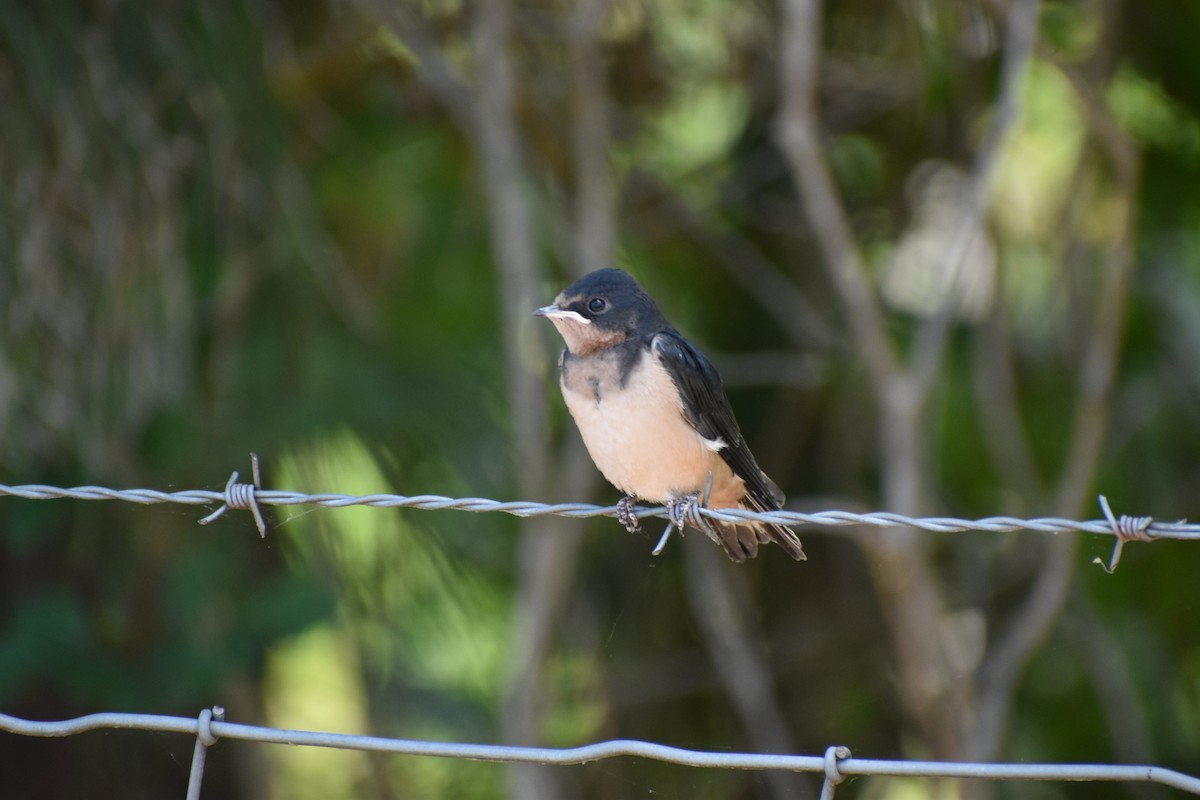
(836, 764)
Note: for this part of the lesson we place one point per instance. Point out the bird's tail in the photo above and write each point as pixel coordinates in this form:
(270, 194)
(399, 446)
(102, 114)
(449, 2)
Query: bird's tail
(741, 540)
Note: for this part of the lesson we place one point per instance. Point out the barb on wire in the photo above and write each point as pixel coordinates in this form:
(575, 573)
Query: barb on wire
(1126, 529)
(247, 496)
(243, 496)
(836, 764)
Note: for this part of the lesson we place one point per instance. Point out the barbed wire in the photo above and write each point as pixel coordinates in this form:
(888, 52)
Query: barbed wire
(836, 764)
(251, 496)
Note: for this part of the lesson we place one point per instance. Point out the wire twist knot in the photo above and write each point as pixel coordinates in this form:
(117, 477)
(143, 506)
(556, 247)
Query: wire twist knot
(243, 497)
(204, 725)
(1126, 529)
(833, 774)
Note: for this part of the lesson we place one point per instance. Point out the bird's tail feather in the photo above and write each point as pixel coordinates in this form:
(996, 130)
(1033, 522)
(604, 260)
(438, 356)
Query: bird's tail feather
(781, 535)
(741, 540)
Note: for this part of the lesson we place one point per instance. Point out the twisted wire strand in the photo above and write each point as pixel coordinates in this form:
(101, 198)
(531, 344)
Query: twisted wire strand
(245, 493)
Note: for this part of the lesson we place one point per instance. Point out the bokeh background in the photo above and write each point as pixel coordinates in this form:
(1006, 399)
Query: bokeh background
(945, 254)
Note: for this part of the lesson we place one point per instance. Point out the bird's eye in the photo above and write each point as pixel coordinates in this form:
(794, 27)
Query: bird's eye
(597, 304)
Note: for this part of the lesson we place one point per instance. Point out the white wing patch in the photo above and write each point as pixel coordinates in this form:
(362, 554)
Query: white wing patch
(716, 445)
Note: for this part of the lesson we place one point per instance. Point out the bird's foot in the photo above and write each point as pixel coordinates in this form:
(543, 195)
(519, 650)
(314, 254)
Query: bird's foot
(627, 513)
(685, 511)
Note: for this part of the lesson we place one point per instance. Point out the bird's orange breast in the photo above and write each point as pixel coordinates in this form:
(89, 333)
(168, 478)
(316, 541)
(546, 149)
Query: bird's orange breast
(637, 434)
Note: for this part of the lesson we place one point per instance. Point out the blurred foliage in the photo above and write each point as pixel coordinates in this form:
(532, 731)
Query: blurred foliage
(245, 225)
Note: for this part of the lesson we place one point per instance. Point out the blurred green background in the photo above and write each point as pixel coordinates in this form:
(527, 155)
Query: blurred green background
(952, 272)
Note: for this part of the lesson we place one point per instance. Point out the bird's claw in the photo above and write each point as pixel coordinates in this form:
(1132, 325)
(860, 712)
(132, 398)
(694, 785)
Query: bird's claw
(682, 512)
(627, 513)
(686, 511)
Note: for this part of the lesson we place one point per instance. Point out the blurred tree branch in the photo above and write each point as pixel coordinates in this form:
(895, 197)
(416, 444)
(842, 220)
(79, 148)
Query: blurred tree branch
(937, 695)
(800, 141)
(902, 571)
(595, 227)
(1020, 36)
(1116, 689)
(1032, 623)
(548, 552)
(996, 393)
(721, 607)
(433, 68)
(742, 261)
(542, 556)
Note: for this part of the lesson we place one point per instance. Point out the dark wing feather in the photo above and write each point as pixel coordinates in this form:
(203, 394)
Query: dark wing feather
(708, 411)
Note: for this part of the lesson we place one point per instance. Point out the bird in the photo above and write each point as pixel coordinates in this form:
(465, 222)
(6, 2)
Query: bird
(653, 414)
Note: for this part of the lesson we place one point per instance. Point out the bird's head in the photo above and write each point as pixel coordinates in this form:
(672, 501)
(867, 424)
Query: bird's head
(601, 310)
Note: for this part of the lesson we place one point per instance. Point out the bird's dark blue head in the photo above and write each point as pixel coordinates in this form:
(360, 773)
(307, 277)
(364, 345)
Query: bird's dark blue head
(602, 309)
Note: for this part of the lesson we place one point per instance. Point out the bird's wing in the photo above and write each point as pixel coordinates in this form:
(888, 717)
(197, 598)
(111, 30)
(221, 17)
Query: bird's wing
(707, 410)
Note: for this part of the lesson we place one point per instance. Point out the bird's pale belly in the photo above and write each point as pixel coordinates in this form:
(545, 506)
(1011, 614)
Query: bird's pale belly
(637, 435)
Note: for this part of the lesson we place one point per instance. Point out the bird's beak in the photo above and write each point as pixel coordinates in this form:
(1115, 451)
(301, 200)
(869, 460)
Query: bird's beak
(557, 312)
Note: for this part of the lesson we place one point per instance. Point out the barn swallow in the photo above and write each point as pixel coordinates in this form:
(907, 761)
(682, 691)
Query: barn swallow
(653, 414)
